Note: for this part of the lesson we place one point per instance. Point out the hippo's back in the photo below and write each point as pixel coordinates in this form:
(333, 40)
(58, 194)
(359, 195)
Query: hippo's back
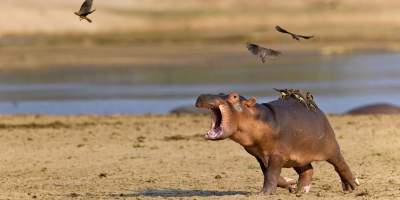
(291, 109)
(304, 131)
(379, 108)
(292, 117)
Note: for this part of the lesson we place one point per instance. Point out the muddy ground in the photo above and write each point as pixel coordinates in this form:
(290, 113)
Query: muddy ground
(149, 157)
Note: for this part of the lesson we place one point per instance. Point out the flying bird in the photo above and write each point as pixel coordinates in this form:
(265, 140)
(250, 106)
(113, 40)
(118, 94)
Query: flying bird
(262, 52)
(85, 10)
(294, 36)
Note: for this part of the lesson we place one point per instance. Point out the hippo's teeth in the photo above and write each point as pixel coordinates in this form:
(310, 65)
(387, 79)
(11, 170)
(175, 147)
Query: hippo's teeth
(307, 188)
(357, 182)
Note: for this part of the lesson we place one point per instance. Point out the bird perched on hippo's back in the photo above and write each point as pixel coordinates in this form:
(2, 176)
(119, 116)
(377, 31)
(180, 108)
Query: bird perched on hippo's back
(85, 10)
(303, 97)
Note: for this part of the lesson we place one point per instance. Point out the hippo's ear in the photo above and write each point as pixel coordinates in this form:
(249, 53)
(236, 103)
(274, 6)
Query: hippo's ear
(250, 102)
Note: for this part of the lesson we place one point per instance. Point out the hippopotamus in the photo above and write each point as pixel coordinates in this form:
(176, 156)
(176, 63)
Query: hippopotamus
(377, 108)
(280, 134)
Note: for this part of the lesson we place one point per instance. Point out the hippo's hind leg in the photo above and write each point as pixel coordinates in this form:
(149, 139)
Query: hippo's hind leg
(283, 182)
(288, 183)
(349, 182)
(305, 176)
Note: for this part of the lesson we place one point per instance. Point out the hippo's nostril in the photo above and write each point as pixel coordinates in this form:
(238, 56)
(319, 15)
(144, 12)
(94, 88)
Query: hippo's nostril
(200, 100)
(206, 100)
(197, 105)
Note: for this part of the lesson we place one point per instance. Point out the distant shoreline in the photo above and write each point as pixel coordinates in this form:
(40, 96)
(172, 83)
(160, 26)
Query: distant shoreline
(165, 54)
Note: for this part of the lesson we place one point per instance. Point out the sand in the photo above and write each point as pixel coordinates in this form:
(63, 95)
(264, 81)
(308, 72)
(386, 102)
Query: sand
(150, 157)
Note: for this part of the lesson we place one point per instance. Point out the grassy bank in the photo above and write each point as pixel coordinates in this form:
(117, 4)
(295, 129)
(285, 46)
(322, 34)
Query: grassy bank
(333, 22)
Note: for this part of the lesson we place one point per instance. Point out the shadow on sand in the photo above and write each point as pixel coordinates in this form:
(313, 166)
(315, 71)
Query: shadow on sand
(181, 193)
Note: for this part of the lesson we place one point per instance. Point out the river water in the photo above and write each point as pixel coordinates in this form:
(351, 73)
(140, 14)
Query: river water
(338, 82)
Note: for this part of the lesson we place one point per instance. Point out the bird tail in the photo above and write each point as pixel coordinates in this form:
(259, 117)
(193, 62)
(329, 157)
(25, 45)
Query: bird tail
(306, 36)
(89, 20)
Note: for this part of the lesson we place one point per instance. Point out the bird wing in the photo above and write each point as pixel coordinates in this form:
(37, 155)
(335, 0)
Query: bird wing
(280, 29)
(271, 52)
(305, 36)
(89, 20)
(281, 91)
(295, 36)
(314, 104)
(253, 48)
(86, 7)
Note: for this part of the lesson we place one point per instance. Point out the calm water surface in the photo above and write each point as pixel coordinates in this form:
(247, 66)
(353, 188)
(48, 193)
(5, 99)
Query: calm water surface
(338, 82)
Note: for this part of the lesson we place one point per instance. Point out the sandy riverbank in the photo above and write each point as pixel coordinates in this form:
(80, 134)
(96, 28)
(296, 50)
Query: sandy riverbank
(145, 157)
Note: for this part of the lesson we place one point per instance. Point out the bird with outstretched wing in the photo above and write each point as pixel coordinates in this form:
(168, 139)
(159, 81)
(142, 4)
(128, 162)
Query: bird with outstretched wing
(85, 10)
(262, 52)
(294, 36)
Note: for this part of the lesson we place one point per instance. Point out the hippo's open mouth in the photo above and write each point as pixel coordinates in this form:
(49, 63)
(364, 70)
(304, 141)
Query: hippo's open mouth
(216, 130)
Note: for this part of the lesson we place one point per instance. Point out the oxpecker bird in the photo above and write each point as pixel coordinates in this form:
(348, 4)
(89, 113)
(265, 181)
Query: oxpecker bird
(294, 36)
(262, 52)
(85, 10)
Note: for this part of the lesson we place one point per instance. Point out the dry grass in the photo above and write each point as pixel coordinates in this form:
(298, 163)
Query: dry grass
(124, 21)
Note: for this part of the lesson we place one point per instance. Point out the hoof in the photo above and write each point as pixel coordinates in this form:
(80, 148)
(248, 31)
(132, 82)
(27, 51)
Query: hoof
(303, 190)
(306, 189)
(357, 182)
(267, 192)
(292, 184)
(292, 188)
(349, 186)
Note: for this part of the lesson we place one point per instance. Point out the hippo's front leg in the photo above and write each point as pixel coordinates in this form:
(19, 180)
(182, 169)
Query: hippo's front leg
(283, 182)
(271, 178)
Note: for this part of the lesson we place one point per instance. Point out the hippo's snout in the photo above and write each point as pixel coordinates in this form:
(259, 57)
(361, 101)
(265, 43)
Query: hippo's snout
(208, 101)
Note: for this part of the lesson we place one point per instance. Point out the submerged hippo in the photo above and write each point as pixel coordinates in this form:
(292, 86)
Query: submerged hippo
(377, 108)
(281, 133)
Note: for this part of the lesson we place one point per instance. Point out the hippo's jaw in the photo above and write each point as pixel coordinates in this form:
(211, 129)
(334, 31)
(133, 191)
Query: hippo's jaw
(216, 130)
(223, 123)
(220, 123)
